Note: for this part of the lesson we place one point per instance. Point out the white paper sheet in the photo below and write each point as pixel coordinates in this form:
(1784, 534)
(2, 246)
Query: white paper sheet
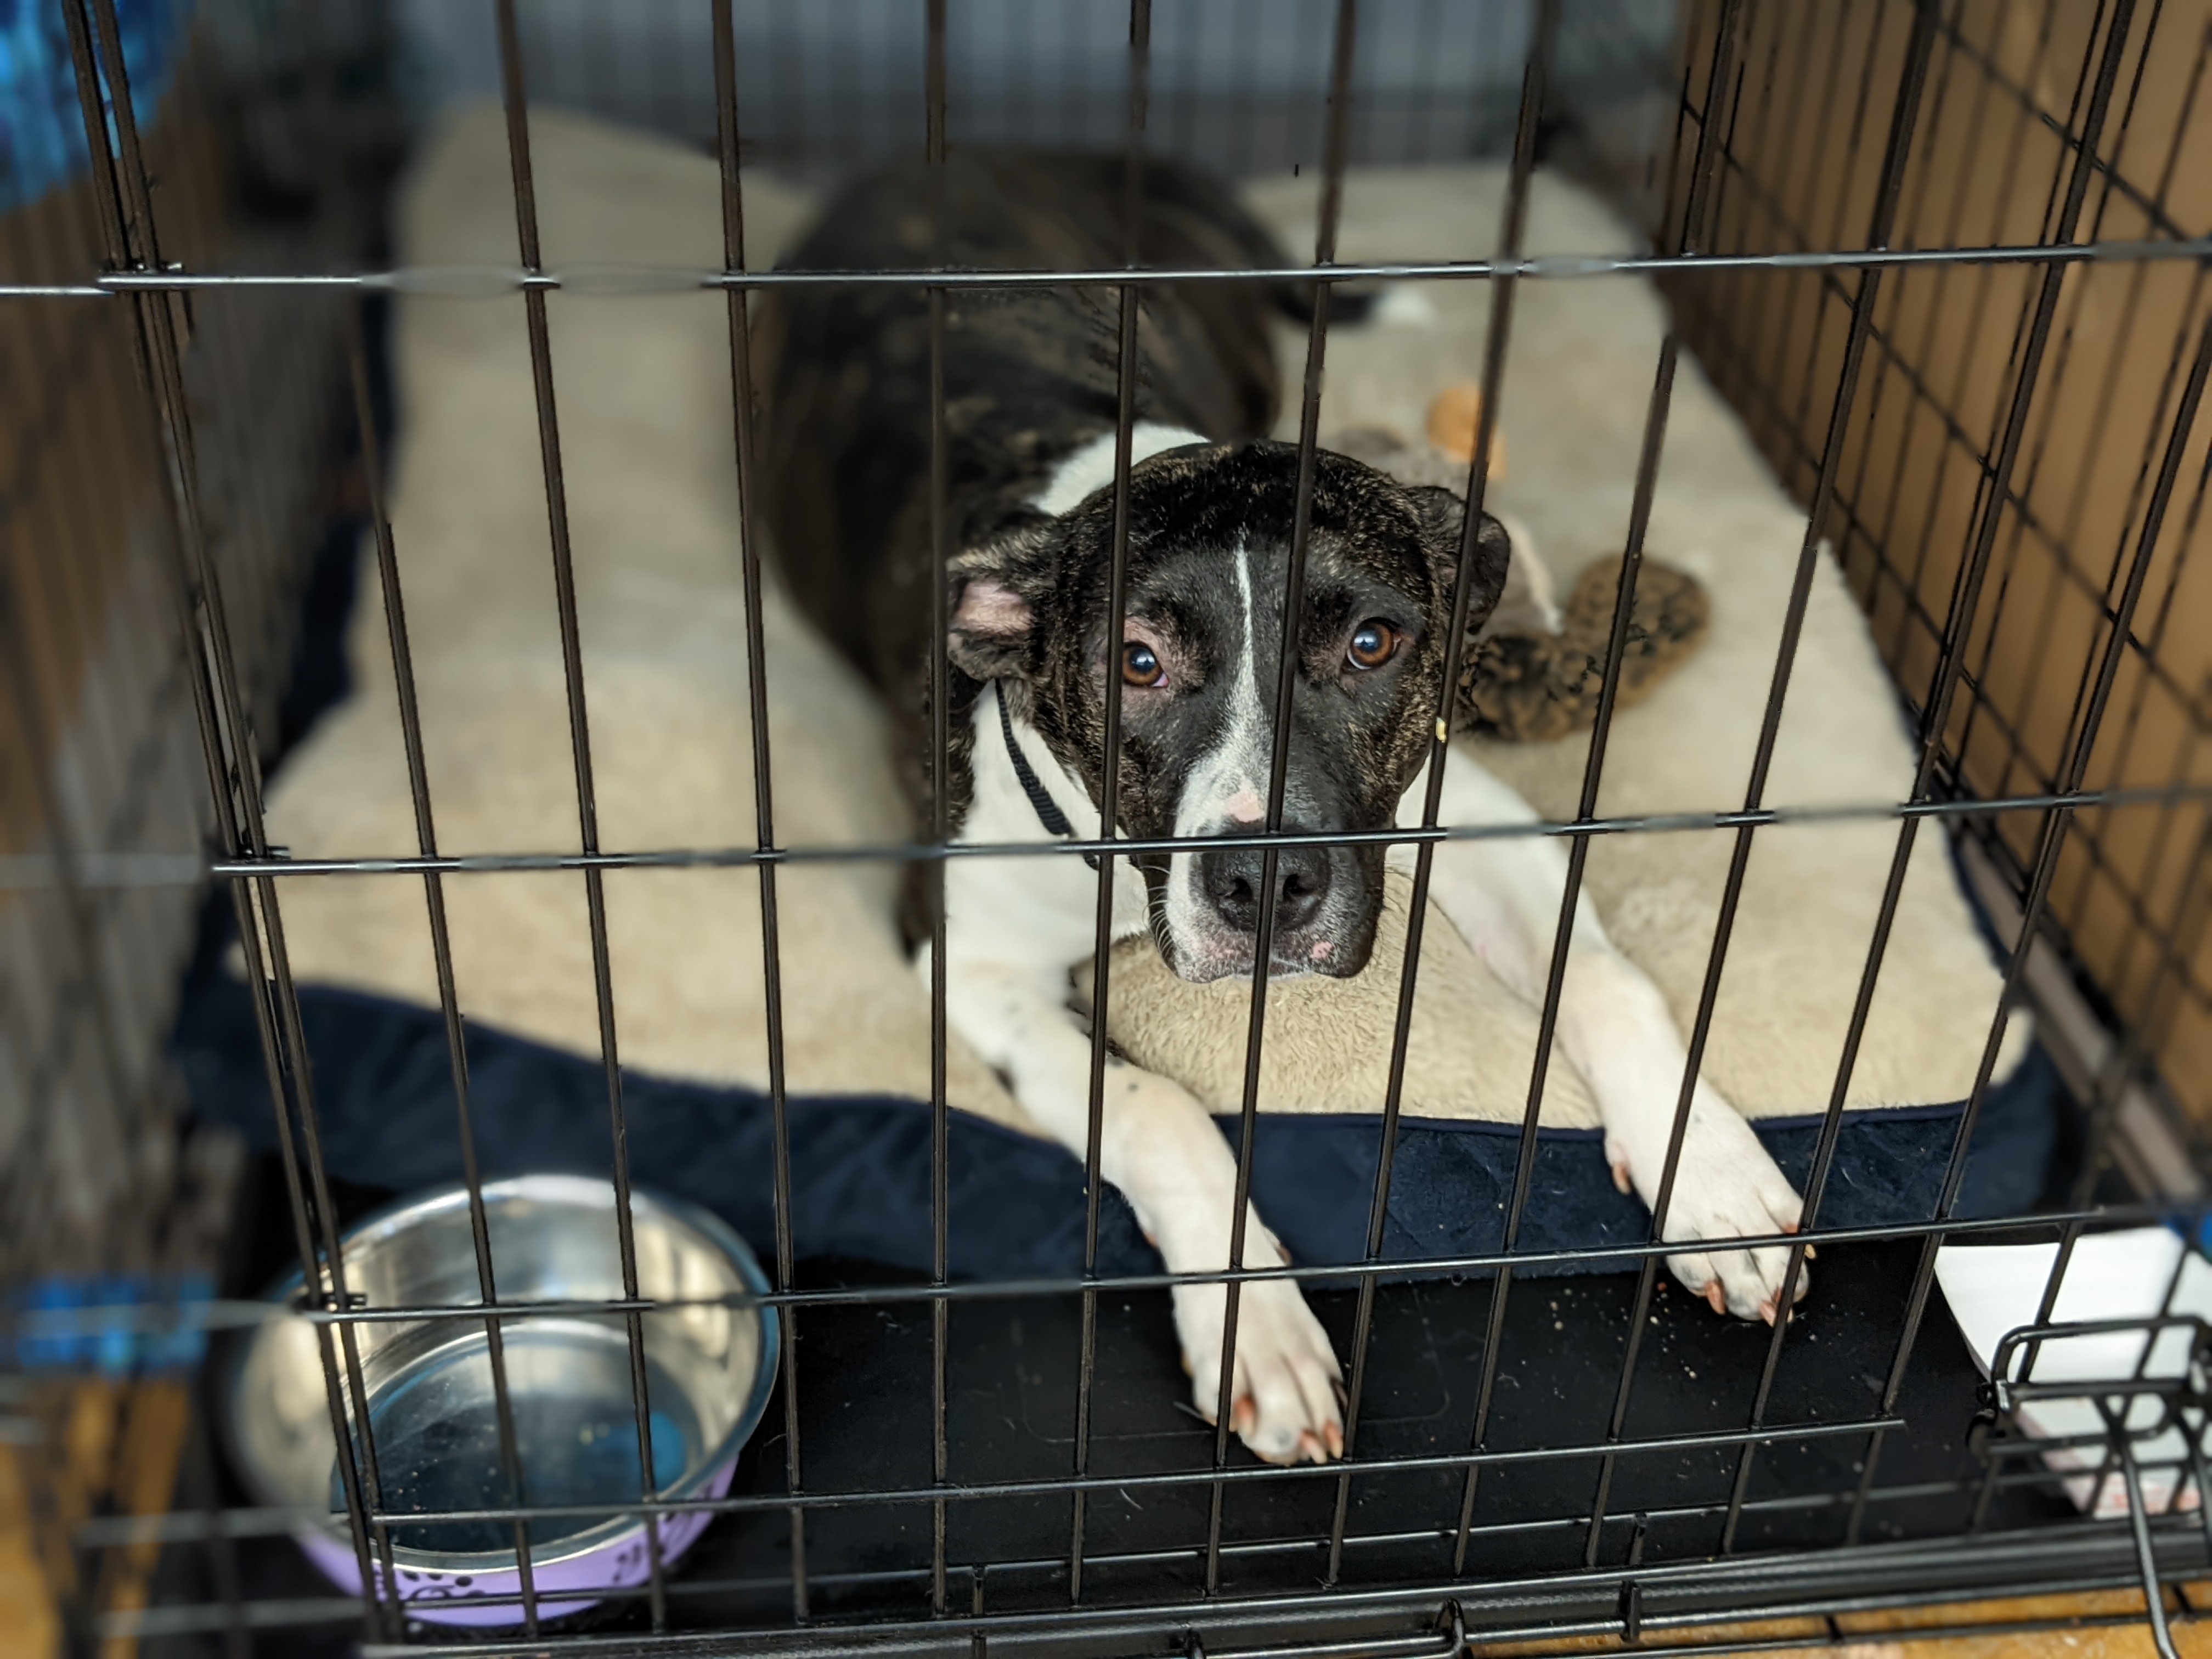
(1994, 1289)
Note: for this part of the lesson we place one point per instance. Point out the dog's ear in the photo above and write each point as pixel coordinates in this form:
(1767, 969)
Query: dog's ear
(1444, 517)
(997, 587)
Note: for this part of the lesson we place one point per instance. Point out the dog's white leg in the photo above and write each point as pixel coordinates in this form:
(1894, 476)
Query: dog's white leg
(1161, 1149)
(1504, 895)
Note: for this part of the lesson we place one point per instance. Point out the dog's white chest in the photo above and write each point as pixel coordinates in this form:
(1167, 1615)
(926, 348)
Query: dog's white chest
(1042, 907)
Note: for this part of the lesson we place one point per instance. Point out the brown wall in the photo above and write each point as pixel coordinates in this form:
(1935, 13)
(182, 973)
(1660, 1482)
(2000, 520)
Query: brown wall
(1805, 118)
(99, 755)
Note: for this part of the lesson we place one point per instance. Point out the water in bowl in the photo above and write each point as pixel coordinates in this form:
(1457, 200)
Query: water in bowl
(575, 1434)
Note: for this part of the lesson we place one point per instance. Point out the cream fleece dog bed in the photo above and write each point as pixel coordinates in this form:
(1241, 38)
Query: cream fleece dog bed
(645, 409)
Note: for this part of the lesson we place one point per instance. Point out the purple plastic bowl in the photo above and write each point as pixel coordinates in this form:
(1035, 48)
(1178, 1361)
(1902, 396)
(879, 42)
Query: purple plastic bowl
(444, 1597)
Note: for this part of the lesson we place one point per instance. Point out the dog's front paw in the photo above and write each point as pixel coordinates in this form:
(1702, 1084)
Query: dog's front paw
(1287, 1401)
(1727, 1186)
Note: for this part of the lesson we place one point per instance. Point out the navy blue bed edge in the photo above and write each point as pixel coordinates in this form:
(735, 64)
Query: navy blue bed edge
(860, 1163)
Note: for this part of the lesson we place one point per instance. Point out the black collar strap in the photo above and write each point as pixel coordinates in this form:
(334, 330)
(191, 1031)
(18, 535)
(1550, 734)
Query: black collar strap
(1048, 810)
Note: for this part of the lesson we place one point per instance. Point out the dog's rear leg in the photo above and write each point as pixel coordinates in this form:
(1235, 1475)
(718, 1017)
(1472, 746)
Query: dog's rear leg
(1161, 1150)
(1503, 895)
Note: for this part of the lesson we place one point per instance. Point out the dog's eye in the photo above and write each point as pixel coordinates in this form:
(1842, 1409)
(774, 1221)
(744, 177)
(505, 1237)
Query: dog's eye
(1374, 642)
(1140, 665)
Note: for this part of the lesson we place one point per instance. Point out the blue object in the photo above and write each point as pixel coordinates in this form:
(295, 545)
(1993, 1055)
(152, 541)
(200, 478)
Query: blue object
(115, 1324)
(2196, 1228)
(41, 127)
(860, 1164)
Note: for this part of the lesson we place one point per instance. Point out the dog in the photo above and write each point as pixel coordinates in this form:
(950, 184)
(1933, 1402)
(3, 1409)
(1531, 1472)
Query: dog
(1030, 390)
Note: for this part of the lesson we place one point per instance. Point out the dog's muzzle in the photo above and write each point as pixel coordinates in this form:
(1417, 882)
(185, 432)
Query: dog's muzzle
(1322, 925)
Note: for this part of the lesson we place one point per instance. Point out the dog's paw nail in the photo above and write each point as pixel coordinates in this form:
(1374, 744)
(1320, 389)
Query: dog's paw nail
(1334, 1436)
(1715, 1297)
(1310, 1450)
(1620, 1177)
(1811, 1255)
(1767, 1310)
(1244, 1416)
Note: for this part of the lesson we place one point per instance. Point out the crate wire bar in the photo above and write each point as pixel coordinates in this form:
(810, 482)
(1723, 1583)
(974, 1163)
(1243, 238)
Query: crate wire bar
(1722, 86)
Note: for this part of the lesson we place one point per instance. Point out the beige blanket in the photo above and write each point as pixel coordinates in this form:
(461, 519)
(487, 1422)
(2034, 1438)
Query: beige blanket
(645, 412)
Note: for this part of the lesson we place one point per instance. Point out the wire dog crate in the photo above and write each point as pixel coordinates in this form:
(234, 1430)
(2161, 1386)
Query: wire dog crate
(1947, 259)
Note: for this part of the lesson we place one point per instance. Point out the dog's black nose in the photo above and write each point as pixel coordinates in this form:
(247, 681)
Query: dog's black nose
(1232, 879)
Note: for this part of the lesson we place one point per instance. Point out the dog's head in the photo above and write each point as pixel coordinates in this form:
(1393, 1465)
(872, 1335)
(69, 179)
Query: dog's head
(1198, 662)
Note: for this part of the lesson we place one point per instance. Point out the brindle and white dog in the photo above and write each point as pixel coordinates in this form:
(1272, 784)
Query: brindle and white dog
(1030, 404)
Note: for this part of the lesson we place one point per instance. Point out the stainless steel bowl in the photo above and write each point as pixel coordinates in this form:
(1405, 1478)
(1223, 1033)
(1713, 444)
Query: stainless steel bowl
(709, 1366)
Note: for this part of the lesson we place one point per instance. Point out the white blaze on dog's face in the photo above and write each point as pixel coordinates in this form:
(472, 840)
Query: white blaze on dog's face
(1210, 900)
(1199, 666)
